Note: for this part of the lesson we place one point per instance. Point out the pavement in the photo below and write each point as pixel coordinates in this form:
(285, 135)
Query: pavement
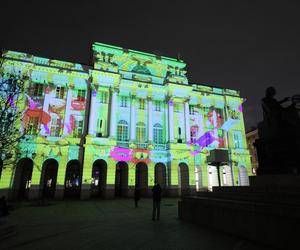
(111, 224)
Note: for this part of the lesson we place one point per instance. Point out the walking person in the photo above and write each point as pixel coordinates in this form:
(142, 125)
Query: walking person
(156, 201)
(137, 195)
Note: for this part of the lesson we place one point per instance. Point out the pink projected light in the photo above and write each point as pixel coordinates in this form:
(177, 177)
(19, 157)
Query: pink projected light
(121, 154)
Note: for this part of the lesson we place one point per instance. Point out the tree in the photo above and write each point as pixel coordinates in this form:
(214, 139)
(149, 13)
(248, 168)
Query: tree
(12, 85)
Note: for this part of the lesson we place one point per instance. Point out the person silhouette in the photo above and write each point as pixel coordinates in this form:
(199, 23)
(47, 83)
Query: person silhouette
(156, 190)
(137, 195)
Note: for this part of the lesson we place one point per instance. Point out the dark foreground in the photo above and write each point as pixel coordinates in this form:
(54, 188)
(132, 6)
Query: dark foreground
(109, 224)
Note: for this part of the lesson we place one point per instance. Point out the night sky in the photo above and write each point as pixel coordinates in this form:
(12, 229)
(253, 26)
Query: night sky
(244, 45)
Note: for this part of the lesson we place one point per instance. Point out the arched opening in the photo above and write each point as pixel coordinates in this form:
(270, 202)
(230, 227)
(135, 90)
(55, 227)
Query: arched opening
(141, 178)
(243, 176)
(72, 180)
(212, 177)
(121, 179)
(22, 178)
(227, 175)
(184, 180)
(48, 178)
(198, 177)
(160, 175)
(99, 173)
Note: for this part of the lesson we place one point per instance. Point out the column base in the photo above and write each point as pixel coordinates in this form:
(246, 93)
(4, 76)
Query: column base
(34, 192)
(172, 191)
(109, 192)
(59, 192)
(85, 192)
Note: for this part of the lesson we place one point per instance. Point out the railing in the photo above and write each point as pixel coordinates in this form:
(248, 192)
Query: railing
(142, 144)
(124, 144)
(161, 146)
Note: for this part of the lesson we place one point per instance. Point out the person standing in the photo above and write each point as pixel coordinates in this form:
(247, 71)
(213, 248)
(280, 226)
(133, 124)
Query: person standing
(137, 196)
(156, 190)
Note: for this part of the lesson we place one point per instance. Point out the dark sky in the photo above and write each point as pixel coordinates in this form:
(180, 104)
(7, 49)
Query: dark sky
(244, 45)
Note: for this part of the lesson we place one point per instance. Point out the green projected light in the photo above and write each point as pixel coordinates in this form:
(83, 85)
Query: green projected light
(129, 120)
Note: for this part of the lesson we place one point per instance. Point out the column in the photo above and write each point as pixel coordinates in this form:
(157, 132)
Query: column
(113, 112)
(67, 124)
(150, 125)
(187, 121)
(171, 120)
(92, 113)
(132, 118)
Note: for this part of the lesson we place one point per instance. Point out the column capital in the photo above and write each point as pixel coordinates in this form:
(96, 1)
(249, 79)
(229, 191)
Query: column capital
(187, 100)
(132, 97)
(149, 98)
(114, 89)
(170, 100)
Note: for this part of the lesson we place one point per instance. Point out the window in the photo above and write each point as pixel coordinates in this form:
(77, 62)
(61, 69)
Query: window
(157, 134)
(193, 136)
(99, 127)
(122, 131)
(140, 132)
(60, 92)
(141, 103)
(157, 105)
(237, 139)
(192, 109)
(38, 89)
(176, 107)
(55, 127)
(123, 101)
(78, 130)
(33, 126)
(81, 95)
(103, 97)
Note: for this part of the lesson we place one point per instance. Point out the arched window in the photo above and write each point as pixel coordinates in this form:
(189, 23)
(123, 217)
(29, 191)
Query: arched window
(140, 132)
(122, 133)
(157, 133)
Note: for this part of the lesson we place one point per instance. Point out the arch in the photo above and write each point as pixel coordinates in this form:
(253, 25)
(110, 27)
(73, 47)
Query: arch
(157, 133)
(212, 177)
(122, 131)
(141, 178)
(227, 176)
(141, 132)
(184, 180)
(49, 178)
(121, 179)
(99, 173)
(22, 178)
(243, 176)
(72, 179)
(160, 175)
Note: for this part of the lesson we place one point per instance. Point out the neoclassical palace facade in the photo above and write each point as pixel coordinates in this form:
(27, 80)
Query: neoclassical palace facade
(126, 121)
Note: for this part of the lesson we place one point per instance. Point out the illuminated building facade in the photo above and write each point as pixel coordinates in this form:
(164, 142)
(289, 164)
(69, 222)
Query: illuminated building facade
(128, 120)
(251, 137)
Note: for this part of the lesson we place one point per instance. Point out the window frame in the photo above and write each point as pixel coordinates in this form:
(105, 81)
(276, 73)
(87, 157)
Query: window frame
(140, 132)
(122, 131)
(59, 92)
(158, 137)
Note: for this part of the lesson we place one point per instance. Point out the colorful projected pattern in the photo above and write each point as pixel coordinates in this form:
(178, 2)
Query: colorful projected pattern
(131, 107)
